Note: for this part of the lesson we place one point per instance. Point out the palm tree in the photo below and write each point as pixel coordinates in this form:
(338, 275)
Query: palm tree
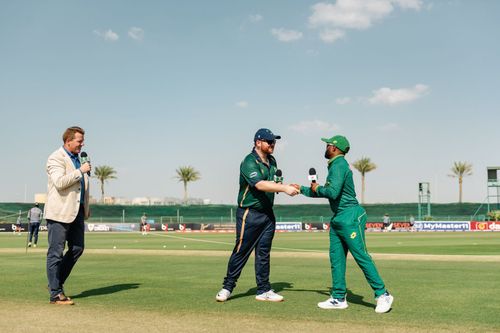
(364, 165)
(461, 170)
(104, 173)
(187, 174)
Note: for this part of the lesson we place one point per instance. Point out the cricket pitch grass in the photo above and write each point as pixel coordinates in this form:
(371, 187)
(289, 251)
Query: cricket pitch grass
(127, 282)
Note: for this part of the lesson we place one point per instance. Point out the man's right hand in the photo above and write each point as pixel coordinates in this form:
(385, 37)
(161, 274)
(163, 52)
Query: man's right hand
(314, 187)
(291, 190)
(85, 167)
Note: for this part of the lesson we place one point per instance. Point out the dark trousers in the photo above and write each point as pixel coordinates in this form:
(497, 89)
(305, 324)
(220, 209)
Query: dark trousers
(59, 266)
(34, 227)
(254, 230)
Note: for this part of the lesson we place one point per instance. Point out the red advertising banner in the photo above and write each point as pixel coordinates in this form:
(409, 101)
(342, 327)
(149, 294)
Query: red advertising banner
(395, 225)
(485, 226)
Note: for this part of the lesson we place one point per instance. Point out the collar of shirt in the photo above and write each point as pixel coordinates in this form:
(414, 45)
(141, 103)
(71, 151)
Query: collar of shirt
(330, 161)
(269, 157)
(76, 162)
(74, 158)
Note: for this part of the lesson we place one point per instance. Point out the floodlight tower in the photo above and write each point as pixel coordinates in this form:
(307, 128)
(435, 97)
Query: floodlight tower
(424, 199)
(493, 188)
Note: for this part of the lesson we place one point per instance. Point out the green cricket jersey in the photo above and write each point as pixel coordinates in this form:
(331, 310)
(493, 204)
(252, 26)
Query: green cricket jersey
(339, 186)
(252, 171)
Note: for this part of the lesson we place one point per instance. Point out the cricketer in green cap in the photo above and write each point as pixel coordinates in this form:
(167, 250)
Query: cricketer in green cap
(347, 228)
(338, 141)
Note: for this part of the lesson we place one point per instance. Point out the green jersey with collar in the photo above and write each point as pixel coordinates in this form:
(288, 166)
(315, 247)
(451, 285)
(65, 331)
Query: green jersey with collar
(339, 186)
(252, 171)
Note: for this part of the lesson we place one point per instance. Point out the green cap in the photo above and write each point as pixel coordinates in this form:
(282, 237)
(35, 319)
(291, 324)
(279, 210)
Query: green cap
(338, 141)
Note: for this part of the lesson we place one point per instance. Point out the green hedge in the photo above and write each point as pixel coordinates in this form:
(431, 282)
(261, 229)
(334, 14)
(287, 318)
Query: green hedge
(375, 212)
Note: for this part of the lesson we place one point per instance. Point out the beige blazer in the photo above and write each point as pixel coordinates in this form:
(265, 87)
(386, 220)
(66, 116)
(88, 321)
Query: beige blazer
(63, 188)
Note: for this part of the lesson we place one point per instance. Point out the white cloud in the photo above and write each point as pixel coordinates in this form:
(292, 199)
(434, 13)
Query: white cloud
(314, 126)
(354, 14)
(242, 104)
(409, 4)
(285, 35)
(254, 18)
(390, 96)
(389, 127)
(108, 35)
(136, 33)
(343, 100)
(331, 35)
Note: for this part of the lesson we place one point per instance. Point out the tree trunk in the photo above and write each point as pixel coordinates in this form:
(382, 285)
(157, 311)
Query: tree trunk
(362, 188)
(102, 191)
(185, 193)
(460, 180)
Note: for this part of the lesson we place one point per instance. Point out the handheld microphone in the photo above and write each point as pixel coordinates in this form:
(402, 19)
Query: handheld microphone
(278, 176)
(312, 175)
(84, 158)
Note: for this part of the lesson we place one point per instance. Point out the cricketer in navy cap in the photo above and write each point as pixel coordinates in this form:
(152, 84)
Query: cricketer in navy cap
(265, 134)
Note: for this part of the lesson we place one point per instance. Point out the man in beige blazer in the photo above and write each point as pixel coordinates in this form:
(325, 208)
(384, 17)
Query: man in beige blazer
(66, 208)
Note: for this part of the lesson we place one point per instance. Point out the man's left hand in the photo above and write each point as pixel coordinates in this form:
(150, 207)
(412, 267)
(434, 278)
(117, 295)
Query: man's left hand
(314, 186)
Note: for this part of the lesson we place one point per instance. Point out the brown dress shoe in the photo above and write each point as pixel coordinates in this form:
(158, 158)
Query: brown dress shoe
(61, 299)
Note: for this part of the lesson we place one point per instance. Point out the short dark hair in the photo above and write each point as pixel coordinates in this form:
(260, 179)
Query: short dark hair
(69, 133)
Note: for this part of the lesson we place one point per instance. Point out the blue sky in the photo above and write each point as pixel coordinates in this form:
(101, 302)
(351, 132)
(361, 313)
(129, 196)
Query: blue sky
(413, 84)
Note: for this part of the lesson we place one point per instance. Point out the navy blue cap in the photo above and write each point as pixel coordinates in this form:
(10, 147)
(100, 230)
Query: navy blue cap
(265, 134)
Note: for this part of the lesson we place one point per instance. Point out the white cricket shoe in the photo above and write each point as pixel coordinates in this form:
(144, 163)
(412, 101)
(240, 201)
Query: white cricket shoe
(222, 295)
(384, 302)
(269, 296)
(333, 303)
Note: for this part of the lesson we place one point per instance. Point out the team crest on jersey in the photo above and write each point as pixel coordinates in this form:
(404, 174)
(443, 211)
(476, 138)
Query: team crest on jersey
(353, 235)
(253, 174)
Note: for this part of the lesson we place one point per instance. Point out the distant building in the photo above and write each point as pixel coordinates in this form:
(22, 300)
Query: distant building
(109, 201)
(40, 198)
(122, 201)
(150, 201)
(141, 201)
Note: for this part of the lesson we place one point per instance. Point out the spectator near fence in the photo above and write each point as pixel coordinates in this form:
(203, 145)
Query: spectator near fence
(387, 224)
(18, 228)
(412, 223)
(34, 217)
(144, 224)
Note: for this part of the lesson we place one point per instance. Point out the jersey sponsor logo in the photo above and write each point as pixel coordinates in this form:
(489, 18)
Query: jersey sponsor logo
(353, 235)
(253, 174)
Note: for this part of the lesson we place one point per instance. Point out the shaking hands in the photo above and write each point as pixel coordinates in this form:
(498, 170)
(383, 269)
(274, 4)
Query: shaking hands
(291, 189)
(314, 186)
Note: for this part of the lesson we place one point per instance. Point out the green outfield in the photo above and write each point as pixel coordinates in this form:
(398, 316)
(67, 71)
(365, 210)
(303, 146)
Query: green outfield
(167, 283)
